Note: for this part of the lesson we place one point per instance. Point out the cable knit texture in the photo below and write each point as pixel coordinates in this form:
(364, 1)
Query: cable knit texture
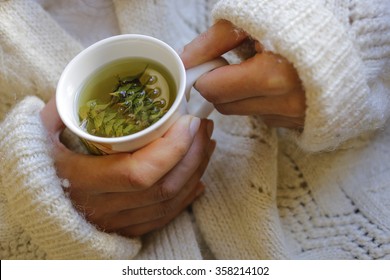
(268, 196)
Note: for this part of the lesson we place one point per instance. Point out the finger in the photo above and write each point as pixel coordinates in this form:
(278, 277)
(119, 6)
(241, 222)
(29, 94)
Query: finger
(285, 122)
(163, 211)
(265, 74)
(151, 163)
(143, 228)
(166, 188)
(217, 40)
(182, 172)
(130, 172)
(289, 105)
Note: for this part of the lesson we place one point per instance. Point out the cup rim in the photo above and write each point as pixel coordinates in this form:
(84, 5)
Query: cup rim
(112, 140)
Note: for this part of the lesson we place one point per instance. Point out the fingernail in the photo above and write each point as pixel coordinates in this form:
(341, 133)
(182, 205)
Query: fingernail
(210, 128)
(194, 126)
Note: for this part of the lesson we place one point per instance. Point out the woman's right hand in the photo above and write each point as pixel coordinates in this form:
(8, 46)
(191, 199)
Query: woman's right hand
(135, 193)
(266, 85)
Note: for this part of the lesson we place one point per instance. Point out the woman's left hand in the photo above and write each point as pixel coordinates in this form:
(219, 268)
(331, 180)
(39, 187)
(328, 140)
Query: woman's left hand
(135, 193)
(266, 84)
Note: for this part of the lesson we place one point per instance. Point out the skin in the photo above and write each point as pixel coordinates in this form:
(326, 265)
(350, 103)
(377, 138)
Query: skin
(272, 88)
(135, 193)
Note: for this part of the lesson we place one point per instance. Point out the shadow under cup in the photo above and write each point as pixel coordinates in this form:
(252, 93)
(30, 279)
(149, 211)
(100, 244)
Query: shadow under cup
(87, 62)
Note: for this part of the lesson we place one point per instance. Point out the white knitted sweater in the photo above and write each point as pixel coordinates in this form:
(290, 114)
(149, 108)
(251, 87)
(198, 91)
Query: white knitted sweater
(324, 193)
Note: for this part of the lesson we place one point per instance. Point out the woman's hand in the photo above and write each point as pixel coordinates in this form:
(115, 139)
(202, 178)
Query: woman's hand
(135, 193)
(266, 84)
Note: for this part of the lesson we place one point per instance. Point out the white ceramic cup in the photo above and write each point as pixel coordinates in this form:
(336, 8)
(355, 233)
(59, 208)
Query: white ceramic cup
(126, 46)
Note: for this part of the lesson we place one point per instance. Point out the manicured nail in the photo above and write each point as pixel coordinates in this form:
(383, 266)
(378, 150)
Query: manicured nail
(194, 126)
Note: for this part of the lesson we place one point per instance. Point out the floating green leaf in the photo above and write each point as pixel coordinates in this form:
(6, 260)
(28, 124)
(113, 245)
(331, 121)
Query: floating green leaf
(133, 106)
(98, 121)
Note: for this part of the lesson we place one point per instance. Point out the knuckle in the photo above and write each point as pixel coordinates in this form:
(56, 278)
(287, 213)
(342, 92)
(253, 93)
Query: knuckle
(180, 149)
(132, 176)
(204, 90)
(222, 109)
(166, 191)
(203, 38)
(136, 180)
(198, 45)
(163, 210)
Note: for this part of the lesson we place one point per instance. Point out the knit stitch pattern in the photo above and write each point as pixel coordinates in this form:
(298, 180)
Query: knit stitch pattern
(238, 209)
(267, 197)
(39, 203)
(336, 207)
(174, 22)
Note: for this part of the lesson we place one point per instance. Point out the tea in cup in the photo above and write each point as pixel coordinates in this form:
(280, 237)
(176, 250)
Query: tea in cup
(125, 91)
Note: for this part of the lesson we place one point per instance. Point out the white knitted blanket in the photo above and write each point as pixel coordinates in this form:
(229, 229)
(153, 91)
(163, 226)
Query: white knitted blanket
(322, 194)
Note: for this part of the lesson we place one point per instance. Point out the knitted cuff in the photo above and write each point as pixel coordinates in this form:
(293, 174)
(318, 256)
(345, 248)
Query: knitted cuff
(39, 204)
(339, 103)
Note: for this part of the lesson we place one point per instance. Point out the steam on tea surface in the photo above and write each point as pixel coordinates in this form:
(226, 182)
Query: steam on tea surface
(124, 97)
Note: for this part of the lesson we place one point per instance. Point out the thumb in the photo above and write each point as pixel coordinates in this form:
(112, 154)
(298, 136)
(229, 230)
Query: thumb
(217, 40)
(160, 156)
(125, 172)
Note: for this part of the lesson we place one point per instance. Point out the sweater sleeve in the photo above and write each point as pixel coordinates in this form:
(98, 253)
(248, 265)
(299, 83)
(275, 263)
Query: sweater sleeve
(341, 54)
(183, 20)
(35, 199)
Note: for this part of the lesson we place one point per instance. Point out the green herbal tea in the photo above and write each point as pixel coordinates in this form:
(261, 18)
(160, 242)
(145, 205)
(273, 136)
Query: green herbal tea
(124, 97)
